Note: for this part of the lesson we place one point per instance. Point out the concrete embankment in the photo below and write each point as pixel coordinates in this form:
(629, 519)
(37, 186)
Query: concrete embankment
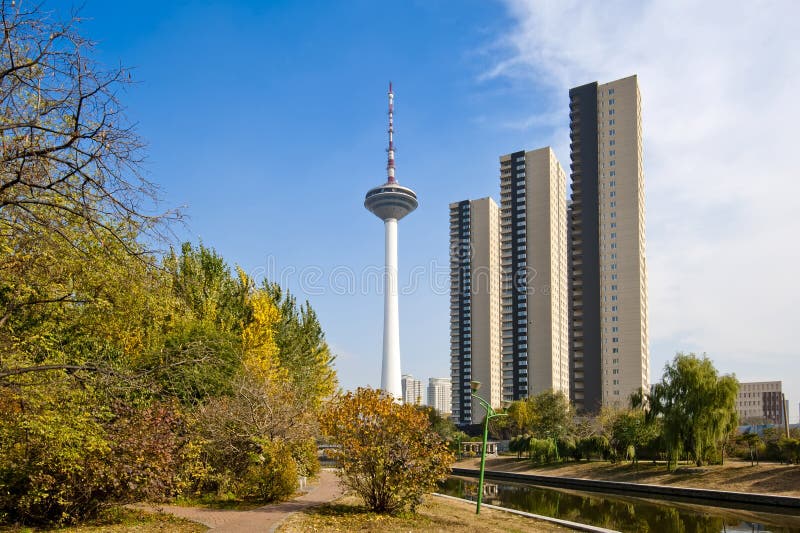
(709, 497)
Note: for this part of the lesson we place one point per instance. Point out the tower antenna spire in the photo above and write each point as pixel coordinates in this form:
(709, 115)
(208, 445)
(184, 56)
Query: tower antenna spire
(390, 161)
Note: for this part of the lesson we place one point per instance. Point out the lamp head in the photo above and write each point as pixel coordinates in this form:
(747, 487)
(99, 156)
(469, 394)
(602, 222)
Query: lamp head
(474, 385)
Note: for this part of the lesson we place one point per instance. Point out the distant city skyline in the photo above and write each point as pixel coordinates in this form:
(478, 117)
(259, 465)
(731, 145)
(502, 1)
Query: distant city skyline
(257, 115)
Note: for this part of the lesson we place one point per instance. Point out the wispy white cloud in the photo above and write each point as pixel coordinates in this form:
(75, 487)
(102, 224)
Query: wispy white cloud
(721, 115)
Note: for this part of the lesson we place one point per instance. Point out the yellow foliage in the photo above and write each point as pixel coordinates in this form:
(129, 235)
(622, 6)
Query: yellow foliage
(258, 337)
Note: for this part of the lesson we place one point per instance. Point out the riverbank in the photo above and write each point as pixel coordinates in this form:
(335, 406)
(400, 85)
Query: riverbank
(735, 475)
(435, 514)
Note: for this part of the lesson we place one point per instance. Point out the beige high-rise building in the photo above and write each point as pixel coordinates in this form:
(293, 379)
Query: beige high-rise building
(534, 261)
(609, 345)
(474, 306)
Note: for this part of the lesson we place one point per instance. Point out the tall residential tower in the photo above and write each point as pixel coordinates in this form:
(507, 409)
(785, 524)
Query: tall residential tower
(440, 394)
(390, 202)
(474, 306)
(609, 353)
(534, 258)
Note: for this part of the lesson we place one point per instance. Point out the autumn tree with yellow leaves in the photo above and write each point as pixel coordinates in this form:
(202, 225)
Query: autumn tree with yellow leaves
(389, 454)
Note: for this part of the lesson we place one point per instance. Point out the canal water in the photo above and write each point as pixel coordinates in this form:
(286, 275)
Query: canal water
(624, 513)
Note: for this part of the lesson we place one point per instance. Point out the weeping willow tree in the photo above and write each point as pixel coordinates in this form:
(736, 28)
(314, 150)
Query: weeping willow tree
(696, 407)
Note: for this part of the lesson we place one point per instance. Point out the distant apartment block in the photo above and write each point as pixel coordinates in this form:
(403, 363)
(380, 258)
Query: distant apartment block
(440, 394)
(474, 306)
(761, 402)
(535, 333)
(412, 390)
(608, 328)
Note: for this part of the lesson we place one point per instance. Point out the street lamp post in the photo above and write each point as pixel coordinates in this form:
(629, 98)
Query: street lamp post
(490, 413)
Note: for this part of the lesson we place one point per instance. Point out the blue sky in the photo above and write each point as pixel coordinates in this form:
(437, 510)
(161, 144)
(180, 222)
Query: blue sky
(267, 121)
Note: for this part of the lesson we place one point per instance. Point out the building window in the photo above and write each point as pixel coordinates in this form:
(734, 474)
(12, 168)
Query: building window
(613, 214)
(613, 287)
(611, 132)
(612, 142)
(614, 329)
(611, 122)
(613, 204)
(612, 152)
(614, 298)
(612, 163)
(615, 339)
(610, 111)
(614, 308)
(611, 91)
(611, 101)
(612, 194)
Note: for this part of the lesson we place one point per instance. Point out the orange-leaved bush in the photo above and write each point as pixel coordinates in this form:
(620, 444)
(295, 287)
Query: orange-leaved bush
(388, 453)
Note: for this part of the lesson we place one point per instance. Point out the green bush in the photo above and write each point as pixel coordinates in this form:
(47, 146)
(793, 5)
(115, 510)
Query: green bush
(304, 454)
(542, 451)
(567, 448)
(790, 450)
(596, 446)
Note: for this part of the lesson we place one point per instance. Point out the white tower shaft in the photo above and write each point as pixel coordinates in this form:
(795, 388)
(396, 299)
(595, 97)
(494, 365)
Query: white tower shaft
(390, 373)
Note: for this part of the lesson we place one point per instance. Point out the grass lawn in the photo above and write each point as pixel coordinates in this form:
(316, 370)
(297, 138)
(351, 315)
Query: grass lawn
(435, 514)
(118, 520)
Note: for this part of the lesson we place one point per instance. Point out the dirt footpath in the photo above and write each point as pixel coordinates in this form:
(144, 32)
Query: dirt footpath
(262, 519)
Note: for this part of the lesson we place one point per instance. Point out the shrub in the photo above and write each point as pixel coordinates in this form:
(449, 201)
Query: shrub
(542, 451)
(389, 455)
(790, 450)
(64, 456)
(595, 446)
(566, 447)
(271, 474)
(259, 435)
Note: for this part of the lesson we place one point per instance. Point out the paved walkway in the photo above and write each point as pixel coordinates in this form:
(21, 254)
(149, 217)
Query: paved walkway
(262, 519)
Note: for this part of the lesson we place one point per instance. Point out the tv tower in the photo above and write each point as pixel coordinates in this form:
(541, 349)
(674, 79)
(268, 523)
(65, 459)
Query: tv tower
(390, 202)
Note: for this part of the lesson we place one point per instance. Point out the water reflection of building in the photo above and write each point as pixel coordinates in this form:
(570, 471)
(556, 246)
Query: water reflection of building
(490, 490)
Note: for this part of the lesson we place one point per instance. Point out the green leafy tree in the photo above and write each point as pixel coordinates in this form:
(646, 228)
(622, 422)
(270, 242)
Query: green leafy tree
(629, 432)
(302, 349)
(753, 442)
(696, 406)
(790, 450)
(389, 455)
(545, 415)
(442, 425)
